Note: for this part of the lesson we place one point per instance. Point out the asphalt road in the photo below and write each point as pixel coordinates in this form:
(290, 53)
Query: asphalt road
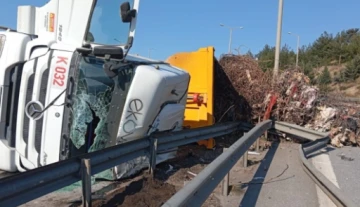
(279, 179)
(343, 169)
(285, 183)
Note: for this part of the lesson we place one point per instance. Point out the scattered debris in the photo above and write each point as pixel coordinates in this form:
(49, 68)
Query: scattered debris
(244, 92)
(344, 157)
(253, 153)
(270, 180)
(191, 173)
(240, 85)
(144, 192)
(170, 169)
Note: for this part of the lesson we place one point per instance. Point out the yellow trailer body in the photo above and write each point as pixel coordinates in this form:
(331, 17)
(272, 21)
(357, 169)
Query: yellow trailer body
(200, 100)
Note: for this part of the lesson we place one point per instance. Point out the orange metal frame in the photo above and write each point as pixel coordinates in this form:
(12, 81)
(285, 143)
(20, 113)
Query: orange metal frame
(199, 105)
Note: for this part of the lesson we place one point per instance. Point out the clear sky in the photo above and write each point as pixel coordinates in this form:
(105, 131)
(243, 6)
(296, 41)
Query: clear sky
(171, 26)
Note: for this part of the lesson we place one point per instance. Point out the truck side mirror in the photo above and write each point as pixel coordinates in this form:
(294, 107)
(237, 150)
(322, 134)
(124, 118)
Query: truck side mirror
(109, 52)
(125, 12)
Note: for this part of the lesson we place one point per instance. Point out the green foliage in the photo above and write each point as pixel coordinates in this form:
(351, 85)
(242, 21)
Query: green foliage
(266, 57)
(352, 70)
(287, 57)
(308, 70)
(325, 77)
(328, 49)
(324, 89)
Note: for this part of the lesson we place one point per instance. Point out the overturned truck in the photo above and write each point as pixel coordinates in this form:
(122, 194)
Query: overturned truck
(68, 87)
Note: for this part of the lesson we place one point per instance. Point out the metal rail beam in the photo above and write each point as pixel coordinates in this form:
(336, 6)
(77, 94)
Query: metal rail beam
(192, 134)
(21, 188)
(198, 190)
(24, 187)
(318, 140)
(334, 193)
(298, 131)
(188, 140)
(176, 139)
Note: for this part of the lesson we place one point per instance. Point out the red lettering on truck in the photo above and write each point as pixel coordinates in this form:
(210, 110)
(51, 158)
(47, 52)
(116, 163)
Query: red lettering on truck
(60, 71)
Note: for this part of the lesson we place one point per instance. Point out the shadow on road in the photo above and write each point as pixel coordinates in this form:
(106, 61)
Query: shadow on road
(254, 187)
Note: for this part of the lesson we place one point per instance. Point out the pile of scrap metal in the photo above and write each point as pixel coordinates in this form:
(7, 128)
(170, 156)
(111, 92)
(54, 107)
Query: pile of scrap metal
(239, 89)
(339, 118)
(244, 92)
(296, 98)
(300, 103)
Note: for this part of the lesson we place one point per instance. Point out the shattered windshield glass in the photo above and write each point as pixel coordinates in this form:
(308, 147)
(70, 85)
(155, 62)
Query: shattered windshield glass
(106, 26)
(98, 100)
(91, 105)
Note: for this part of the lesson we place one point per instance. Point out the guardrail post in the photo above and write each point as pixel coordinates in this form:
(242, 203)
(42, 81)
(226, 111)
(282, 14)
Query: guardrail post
(257, 143)
(86, 182)
(153, 150)
(245, 157)
(266, 135)
(225, 183)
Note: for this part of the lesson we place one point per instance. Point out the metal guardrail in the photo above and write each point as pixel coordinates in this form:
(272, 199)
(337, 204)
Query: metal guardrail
(198, 190)
(334, 193)
(318, 140)
(298, 131)
(24, 187)
(21, 188)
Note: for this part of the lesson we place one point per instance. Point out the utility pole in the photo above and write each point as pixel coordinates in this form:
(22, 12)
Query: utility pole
(150, 51)
(297, 48)
(278, 40)
(231, 29)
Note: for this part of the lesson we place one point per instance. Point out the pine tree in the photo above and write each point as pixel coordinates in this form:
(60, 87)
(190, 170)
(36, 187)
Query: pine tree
(325, 77)
(352, 70)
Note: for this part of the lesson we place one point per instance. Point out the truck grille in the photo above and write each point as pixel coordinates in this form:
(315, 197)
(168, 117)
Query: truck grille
(40, 88)
(39, 123)
(29, 91)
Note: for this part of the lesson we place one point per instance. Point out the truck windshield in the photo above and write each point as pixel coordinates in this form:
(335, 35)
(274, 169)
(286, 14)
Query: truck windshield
(92, 98)
(106, 27)
(97, 105)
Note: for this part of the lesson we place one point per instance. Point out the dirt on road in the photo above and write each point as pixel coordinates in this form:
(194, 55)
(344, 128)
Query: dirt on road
(170, 177)
(144, 192)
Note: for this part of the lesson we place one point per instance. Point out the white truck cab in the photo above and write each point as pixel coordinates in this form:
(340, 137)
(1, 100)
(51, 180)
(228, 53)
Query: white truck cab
(69, 87)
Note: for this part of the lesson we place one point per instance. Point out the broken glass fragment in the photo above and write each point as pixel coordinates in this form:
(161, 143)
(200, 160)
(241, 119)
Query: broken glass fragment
(91, 106)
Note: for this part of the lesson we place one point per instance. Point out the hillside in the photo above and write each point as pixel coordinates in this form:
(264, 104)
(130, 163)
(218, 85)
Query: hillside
(346, 88)
(331, 61)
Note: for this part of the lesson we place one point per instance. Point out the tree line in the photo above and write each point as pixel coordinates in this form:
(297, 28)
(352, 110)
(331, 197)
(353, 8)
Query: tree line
(326, 50)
